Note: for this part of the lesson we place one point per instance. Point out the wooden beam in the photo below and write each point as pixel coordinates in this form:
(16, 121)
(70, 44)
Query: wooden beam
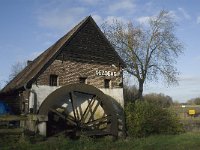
(12, 118)
(12, 131)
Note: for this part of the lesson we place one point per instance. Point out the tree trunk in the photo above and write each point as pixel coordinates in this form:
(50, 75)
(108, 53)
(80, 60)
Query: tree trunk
(140, 90)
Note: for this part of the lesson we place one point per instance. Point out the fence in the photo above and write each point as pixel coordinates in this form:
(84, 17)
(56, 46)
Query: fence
(12, 125)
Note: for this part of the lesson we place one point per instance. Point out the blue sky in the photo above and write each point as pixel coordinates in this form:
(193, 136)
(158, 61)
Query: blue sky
(28, 27)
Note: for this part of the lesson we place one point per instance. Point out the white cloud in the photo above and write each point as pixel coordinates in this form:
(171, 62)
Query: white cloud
(180, 14)
(184, 13)
(174, 15)
(61, 18)
(198, 20)
(124, 5)
(110, 19)
(190, 80)
(98, 19)
(143, 20)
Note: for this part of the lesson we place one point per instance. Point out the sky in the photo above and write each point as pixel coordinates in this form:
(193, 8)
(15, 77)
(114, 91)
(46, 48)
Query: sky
(28, 27)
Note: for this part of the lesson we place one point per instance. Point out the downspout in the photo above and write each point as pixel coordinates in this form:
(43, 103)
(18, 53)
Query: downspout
(34, 97)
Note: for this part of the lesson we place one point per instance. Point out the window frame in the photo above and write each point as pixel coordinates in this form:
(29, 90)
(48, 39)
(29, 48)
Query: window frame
(84, 79)
(107, 83)
(53, 80)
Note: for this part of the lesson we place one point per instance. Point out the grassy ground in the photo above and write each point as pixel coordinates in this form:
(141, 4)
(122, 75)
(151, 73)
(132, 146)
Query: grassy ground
(186, 141)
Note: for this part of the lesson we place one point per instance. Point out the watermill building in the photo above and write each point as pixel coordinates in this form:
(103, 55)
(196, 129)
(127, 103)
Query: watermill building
(77, 83)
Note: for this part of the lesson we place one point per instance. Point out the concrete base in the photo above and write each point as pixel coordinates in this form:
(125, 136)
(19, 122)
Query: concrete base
(42, 128)
(36, 124)
(116, 94)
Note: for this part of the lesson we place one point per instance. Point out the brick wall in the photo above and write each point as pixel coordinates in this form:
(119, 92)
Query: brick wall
(69, 72)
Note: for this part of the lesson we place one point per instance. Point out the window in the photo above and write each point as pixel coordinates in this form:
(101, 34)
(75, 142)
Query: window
(53, 80)
(82, 80)
(106, 83)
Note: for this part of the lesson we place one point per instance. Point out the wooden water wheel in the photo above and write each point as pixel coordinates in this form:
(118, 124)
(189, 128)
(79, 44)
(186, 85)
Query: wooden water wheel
(79, 109)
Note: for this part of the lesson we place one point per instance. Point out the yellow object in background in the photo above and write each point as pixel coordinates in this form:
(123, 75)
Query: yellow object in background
(191, 112)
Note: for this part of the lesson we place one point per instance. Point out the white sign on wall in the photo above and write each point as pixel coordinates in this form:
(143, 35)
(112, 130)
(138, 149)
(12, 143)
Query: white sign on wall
(106, 73)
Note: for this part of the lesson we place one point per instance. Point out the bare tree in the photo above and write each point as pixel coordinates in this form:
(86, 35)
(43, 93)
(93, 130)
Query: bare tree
(148, 51)
(16, 68)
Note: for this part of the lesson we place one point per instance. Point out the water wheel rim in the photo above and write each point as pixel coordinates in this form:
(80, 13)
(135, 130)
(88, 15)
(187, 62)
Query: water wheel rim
(69, 90)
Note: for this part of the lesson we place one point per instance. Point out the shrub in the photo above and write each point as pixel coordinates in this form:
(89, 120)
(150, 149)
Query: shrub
(130, 92)
(144, 118)
(159, 99)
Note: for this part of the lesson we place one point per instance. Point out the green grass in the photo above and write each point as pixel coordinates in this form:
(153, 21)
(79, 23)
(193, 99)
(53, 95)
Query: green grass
(186, 141)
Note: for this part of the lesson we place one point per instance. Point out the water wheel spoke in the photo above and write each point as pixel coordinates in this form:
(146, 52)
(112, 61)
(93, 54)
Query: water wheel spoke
(63, 116)
(94, 122)
(57, 113)
(71, 121)
(105, 128)
(71, 117)
(69, 130)
(96, 133)
(89, 107)
(93, 111)
(75, 112)
(85, 93)
(102, 123)
(98, 126)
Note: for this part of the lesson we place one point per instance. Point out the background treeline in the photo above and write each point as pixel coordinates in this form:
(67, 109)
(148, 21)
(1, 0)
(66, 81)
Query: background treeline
(160, 99)
(194, 101)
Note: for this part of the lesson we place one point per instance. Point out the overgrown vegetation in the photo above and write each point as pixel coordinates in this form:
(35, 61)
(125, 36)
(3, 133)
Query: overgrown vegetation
(161, 100)
(144, 118)
(159, 142)
(130, 92)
